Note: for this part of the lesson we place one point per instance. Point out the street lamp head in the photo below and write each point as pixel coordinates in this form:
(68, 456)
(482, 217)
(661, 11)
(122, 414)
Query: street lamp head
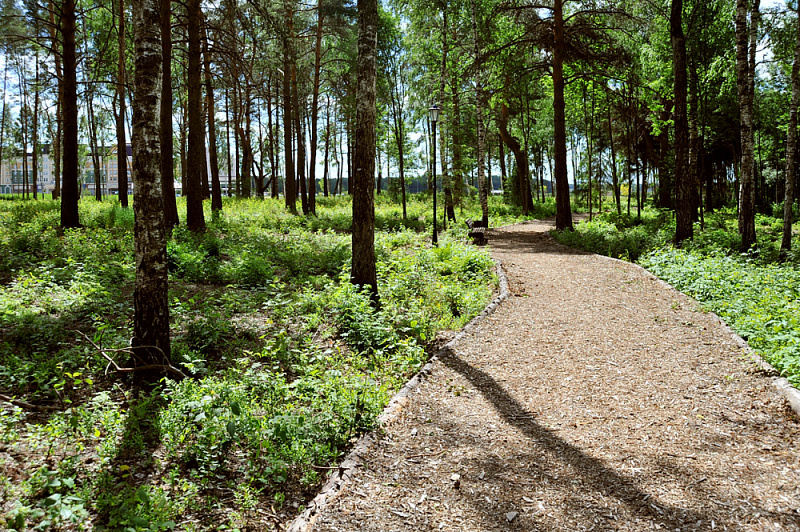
(434, 112)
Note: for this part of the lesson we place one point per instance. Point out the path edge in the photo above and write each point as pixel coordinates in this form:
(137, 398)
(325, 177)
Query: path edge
(357, 456)
(789, 392)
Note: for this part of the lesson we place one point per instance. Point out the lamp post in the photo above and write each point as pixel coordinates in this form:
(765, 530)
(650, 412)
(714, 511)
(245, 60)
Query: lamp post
(434, 114)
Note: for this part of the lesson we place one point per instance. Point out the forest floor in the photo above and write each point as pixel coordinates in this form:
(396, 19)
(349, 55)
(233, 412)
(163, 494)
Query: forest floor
(594, 398)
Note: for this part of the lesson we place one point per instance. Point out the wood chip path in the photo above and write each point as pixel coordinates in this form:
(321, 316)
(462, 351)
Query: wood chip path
(594, 398)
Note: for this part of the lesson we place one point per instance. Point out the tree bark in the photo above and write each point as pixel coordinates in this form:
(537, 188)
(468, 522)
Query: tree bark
(563, 209)
(693, 167)
(150, 298)
(122, 146)
(290, 185)
(69, 192)
(35, 133)
(745, 46)
(483, 191)
(165, 118)
(98, 187)
(216, 187)
(683, 184)
(325, 184)
(521, 159)
(312, 167)
(297, 115)
(791, 148)
(363, 271)
(196, 156)
(447, 178)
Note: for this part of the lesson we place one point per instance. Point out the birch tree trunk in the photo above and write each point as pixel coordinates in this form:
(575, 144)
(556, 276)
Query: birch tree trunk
(150, 297)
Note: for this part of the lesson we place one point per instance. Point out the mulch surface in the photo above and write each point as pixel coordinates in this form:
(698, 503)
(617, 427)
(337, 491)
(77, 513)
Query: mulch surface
(594, 398)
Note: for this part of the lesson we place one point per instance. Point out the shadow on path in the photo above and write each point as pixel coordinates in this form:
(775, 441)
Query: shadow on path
(594, 473)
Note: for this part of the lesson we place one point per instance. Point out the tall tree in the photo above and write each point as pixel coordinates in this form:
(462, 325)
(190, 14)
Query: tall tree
(791, 146)
(122, 148)
(683, 182)
(151, 341)
(363, 271)
(563, 209)
(746, 41)
(69, 192)
(167, 164)
(289, 185)
(483, 188)
(195, 221)
(216, 187)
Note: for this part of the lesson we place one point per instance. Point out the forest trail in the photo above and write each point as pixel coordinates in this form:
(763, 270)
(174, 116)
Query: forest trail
(594, 398)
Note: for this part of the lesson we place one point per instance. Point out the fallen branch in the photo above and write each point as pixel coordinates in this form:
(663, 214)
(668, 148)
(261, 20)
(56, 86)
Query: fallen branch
(26, 405)
(169, 368)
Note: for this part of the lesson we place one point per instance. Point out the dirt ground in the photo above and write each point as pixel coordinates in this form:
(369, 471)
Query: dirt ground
(594, 398)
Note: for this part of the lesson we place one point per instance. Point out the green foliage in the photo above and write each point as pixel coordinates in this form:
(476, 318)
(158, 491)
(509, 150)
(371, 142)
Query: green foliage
(755, 293)
(760, 302)
(288, 361)
(621, 237)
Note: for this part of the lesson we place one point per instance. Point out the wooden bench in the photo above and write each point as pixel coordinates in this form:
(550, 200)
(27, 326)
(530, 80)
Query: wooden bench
(477, 231)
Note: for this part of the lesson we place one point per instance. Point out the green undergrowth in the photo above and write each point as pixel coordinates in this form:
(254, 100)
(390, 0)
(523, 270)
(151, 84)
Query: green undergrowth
(755, 293)
(760, 302)
(287, 361)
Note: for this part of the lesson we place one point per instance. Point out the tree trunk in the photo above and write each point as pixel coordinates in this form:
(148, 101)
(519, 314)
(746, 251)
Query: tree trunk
(614, 178)
(457, 160)
(693, 168)
(216, 187)
(791, 148)
(122, 146)
(98, 187)
(297, 115)
(520, 157)
(69, 192)
(35, 133)
(228, 144)
(745, 46)
(589, 149)
(182, 143)
(165, 118)
(151, 295)
(563, 209)
(399, 136)
(683, 184)
(483, 192)
(325, 184)
(196, 156)
(273, 167)
(447, 178)
(363, 272)
(290, 186)
(312, 167)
